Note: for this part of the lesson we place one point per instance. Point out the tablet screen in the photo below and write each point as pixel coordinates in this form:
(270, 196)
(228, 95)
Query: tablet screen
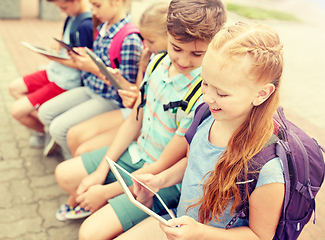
(48, 52)
(124, 178)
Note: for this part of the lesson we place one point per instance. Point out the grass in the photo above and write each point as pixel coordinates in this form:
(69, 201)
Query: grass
(260, 14)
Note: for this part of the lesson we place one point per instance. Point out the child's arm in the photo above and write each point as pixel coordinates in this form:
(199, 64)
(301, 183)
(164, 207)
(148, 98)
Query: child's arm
(265, 206)
(174, 151)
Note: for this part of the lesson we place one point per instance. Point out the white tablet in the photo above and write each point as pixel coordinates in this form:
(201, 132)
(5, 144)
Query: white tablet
(48, 52)
(103, 69)
(123, 177)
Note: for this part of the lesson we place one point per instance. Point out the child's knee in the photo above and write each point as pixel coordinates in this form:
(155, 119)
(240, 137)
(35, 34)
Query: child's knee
(15, 86)
(82, 149)
(72, 135)
(85, 233)
(62, 174)
(16, 111)
(43, 115)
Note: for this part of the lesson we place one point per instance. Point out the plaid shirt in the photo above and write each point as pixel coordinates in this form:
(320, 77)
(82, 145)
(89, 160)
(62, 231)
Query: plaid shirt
(130, 56)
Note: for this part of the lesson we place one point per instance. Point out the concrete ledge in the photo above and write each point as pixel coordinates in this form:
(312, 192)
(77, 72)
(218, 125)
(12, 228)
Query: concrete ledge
(10, 9)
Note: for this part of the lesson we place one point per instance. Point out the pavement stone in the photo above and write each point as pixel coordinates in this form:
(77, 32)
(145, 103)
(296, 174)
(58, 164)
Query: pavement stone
(29, 194)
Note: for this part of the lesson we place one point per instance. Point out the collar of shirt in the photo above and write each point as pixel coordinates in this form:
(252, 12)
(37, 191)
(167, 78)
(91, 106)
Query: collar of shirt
(113, 29)
(179, 81)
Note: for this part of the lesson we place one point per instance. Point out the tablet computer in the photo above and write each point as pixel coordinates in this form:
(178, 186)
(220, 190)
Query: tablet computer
(103, 69)
(123, 177)
(66, 46)
(45, 51)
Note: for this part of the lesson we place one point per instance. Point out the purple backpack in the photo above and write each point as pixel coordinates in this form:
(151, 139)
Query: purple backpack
(303, 165)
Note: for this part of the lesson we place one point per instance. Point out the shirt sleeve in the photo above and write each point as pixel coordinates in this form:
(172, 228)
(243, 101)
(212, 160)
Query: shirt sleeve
(130, 56)
(271, 172)
(85, 30)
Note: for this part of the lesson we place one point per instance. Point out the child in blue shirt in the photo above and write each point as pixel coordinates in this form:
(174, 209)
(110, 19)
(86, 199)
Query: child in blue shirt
(33, 90)
(96, 96)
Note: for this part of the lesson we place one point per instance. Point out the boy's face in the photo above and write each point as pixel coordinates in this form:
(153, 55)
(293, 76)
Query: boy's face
(71, 8)
(186, 57)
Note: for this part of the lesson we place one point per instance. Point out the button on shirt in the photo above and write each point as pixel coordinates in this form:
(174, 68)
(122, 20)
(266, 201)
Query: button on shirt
(159, 126)
(130, 56)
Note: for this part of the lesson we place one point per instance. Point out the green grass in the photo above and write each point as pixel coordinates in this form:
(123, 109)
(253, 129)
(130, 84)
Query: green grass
(261, 14)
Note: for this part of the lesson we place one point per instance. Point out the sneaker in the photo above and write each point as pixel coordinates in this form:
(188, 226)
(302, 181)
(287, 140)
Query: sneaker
(49, 146)
(77, 213)
(63, 210)
(37, 140)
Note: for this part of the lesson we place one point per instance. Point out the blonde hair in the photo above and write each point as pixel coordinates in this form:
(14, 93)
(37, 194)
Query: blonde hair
(155, 18)
(263, 46)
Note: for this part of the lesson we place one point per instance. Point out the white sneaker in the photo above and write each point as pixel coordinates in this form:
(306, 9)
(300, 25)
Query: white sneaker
(49, 146)
(63, 210)
(37, 140)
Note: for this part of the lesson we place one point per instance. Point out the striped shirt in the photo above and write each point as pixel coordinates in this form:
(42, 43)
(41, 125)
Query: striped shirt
(130, 56)
(159, 126)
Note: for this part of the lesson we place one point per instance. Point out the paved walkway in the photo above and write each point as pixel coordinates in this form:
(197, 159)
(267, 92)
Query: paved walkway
(29, 195)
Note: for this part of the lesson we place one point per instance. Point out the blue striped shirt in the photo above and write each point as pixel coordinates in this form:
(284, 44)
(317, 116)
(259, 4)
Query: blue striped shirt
(159, 126)
(130, 56)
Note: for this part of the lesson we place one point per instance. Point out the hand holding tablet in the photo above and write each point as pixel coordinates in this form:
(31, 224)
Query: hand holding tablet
(123, 177)
(102, 67)
(66, 46)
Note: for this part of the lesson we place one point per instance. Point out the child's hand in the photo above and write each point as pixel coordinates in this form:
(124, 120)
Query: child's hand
(54, 45)
(83, 61)
(151, 181)
(115, 72)
(182, 228)
(92, 199)
(92, 179)
(129, 97)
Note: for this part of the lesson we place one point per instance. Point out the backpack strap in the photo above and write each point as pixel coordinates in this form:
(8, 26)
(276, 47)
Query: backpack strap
(74, 34)
(201, 112)
(114, 51)
(187, 102)
(155, 62)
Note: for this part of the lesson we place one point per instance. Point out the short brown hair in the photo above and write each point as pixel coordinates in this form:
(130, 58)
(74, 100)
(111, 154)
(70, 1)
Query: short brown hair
(190, 20)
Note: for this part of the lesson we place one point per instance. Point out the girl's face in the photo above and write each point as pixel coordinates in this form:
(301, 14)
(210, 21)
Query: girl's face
(104, 10)
(72, 9)
(186, 57)
(155, 42)
(230, 94)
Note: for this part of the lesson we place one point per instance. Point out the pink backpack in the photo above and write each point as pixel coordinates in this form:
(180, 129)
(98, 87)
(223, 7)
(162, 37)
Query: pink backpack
(116, 44)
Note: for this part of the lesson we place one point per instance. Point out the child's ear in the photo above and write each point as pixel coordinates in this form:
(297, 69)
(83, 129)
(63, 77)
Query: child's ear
(263, 94)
